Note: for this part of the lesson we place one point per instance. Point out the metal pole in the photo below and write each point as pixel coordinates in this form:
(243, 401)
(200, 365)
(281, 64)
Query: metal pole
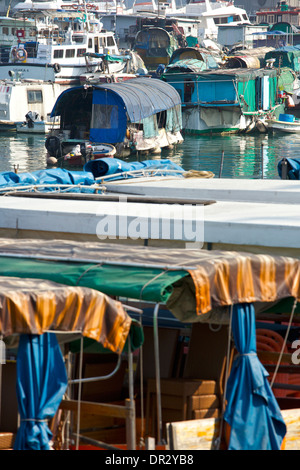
(221, 166)
(130, 405)
(157, 374)
(262, 161)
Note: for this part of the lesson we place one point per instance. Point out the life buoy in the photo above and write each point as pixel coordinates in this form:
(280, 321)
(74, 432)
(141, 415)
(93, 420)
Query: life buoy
(21, 54)
(20, 33)
(57, 68)
(89, 6)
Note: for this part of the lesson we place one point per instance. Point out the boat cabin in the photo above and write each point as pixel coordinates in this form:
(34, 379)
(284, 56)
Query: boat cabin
(135, 115)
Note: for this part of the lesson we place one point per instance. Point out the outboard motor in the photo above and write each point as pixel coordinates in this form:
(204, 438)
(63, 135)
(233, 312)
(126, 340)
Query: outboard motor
(30, 117)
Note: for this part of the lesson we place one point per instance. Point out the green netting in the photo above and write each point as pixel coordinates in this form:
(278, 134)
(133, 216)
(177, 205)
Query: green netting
(141, 283)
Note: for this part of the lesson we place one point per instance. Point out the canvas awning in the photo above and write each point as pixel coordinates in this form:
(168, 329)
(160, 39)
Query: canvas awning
(33, 306)
(142, 97)
(196, 285)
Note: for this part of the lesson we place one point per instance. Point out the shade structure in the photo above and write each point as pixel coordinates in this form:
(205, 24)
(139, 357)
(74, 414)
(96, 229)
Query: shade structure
(252, 411)
(196, 285)
(34, 306)
(41, 384)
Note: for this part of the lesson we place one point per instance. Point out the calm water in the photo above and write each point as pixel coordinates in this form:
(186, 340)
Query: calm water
(244, 156)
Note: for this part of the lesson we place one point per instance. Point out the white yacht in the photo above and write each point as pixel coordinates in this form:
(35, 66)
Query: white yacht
(210, 15)
(62, 45)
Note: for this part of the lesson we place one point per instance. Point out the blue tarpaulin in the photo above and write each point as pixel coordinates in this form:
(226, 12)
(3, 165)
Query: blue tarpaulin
(292, 168)
(252, 411)
(41, 384)
(114, 167)
(48, 177)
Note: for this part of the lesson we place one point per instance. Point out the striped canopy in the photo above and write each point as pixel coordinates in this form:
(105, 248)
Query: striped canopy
(33, 306)
(195, 284)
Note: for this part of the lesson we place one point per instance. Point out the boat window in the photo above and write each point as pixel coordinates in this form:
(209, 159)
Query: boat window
(34, 96)
(5, 31)
(105, 116)
(90, 43)
(58, 53)
(70, 53)
(110, 41)
(80, 52)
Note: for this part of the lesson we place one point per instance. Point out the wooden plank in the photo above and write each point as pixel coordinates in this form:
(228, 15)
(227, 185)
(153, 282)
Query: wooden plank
(101, 409)
(292, 421)
(200, 434)
(184, 387)
(197, 434)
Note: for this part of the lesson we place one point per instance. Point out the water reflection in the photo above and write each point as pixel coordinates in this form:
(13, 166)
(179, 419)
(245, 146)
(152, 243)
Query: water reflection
(244, 156)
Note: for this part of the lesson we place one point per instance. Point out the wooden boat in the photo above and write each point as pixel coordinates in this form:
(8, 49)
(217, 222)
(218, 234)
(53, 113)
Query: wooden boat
(286, 123)
(136, 115)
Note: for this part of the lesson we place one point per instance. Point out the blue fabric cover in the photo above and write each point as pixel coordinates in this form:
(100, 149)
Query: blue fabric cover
(114, 166)
(41, 384)
(293, 168)
(51, 176)
(252, 410)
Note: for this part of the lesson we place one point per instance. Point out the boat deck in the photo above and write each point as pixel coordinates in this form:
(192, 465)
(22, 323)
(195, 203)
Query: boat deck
(251, 215)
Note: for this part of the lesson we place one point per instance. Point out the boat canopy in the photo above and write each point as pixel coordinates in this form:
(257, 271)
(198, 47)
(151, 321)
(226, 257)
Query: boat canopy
(142, 97)
(110, 106)
(201, 286)
(213, 286)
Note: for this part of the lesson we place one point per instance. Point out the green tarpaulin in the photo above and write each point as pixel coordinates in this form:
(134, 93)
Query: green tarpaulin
(147, 284)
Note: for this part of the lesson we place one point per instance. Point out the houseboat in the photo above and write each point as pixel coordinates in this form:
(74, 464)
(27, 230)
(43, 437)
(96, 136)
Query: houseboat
(229, 100)
(136, 115)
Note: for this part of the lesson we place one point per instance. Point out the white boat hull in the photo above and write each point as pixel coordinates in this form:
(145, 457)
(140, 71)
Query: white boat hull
(38, 127)
(283, 126)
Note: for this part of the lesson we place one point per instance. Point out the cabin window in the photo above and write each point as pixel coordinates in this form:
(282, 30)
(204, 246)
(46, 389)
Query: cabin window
(105, 116)
(5, 31)
(34, 96)
(90, 43)
(80, 52)
(70, 53)
(110, 41)
(245, 17)
(58, 54)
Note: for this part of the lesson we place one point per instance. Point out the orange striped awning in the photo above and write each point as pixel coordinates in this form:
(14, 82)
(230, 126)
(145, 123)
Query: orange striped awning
(227, 278)
(33, 306)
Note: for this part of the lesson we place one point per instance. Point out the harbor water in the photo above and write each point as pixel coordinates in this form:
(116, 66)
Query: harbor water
(230, 156)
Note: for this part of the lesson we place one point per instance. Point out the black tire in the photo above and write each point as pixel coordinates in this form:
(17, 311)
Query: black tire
(53, 146)
(57, 68)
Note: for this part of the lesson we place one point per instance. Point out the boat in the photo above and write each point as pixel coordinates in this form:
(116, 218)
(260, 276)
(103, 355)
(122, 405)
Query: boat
(137, 115)
(76, 280)
(33, 124)
(226, 100)
(286, 123)
(57, 50)
(156, 40)
(134, 66)
(21, 98)
(210, 15)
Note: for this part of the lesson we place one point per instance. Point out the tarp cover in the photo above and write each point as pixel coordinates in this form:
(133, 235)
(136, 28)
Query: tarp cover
(252, 411)
(193, 283)
(52, 178)
(292, 168)
(33, 306)
(41, 384)
(142, 97)
(115, 166)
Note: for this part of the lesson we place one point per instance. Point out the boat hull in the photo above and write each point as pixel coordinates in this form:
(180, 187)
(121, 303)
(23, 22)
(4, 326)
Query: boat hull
(282, 126)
